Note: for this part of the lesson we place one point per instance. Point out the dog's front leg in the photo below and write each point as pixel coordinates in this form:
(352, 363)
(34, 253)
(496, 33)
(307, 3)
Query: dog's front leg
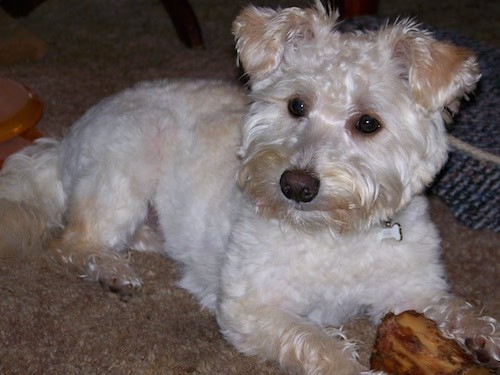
(465, 323)
(461, 321)
(296, 344)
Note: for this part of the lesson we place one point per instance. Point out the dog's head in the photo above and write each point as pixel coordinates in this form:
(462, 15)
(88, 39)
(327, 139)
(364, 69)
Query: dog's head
(344, 128)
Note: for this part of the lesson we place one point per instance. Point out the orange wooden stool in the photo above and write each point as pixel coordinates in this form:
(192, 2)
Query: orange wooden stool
(20, 110)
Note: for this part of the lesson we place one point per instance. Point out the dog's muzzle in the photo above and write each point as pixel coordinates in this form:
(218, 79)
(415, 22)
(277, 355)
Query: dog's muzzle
(299, 185)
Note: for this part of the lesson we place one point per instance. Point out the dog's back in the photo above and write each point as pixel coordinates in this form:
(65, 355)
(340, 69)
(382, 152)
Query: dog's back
(155, 145)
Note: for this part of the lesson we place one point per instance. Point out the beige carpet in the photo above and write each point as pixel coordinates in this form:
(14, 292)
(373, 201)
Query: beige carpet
(53, 323)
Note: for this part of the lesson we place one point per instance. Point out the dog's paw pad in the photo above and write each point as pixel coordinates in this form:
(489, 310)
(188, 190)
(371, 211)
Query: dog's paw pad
(485, 351)
(120, 284)
(123, 287)
(113, 274)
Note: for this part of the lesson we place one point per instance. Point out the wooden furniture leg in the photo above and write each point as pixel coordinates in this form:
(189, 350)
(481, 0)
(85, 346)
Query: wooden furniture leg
(185, 22)
(352, 8)
(19, 8)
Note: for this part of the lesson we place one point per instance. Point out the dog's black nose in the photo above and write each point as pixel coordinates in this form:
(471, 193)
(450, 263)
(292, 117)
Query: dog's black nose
(299, 185)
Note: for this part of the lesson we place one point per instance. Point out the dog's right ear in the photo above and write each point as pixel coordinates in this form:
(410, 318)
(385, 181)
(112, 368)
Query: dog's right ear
(264, 35)
(439, 74)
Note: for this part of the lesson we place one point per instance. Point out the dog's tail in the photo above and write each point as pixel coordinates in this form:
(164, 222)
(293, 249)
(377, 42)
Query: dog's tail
(32, 198)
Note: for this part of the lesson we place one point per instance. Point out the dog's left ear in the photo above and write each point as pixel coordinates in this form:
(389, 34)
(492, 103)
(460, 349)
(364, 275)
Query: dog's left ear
(263, 35)
(439, 74)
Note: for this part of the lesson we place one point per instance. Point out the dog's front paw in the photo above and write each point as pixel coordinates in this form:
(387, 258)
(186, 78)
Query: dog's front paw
(464, 322)
(486, 350)
(481, 336)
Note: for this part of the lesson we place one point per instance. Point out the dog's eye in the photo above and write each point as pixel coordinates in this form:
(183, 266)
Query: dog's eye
(368, 124)
(297, 107)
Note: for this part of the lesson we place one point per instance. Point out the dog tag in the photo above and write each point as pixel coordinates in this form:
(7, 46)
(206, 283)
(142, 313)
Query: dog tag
(393, 231)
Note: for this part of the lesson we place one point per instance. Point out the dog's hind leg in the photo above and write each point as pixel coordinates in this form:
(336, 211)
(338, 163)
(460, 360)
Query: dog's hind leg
(149, 237)
(104, 212)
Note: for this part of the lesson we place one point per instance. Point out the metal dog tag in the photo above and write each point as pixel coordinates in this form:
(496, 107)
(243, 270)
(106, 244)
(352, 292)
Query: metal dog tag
(393, 231)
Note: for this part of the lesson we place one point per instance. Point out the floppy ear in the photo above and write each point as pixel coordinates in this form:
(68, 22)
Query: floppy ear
(263, 35)
(439, 74)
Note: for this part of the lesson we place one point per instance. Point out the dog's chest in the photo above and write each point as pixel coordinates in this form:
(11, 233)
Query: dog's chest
(327, 279)
(333, 279)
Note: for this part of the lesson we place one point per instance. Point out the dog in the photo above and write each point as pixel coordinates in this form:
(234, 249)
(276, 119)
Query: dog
(292, 205)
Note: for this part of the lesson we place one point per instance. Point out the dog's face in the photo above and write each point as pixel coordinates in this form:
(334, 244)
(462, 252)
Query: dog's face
(344, 128)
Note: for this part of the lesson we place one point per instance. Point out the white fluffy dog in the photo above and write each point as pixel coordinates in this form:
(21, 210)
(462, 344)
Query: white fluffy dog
(317, 219)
